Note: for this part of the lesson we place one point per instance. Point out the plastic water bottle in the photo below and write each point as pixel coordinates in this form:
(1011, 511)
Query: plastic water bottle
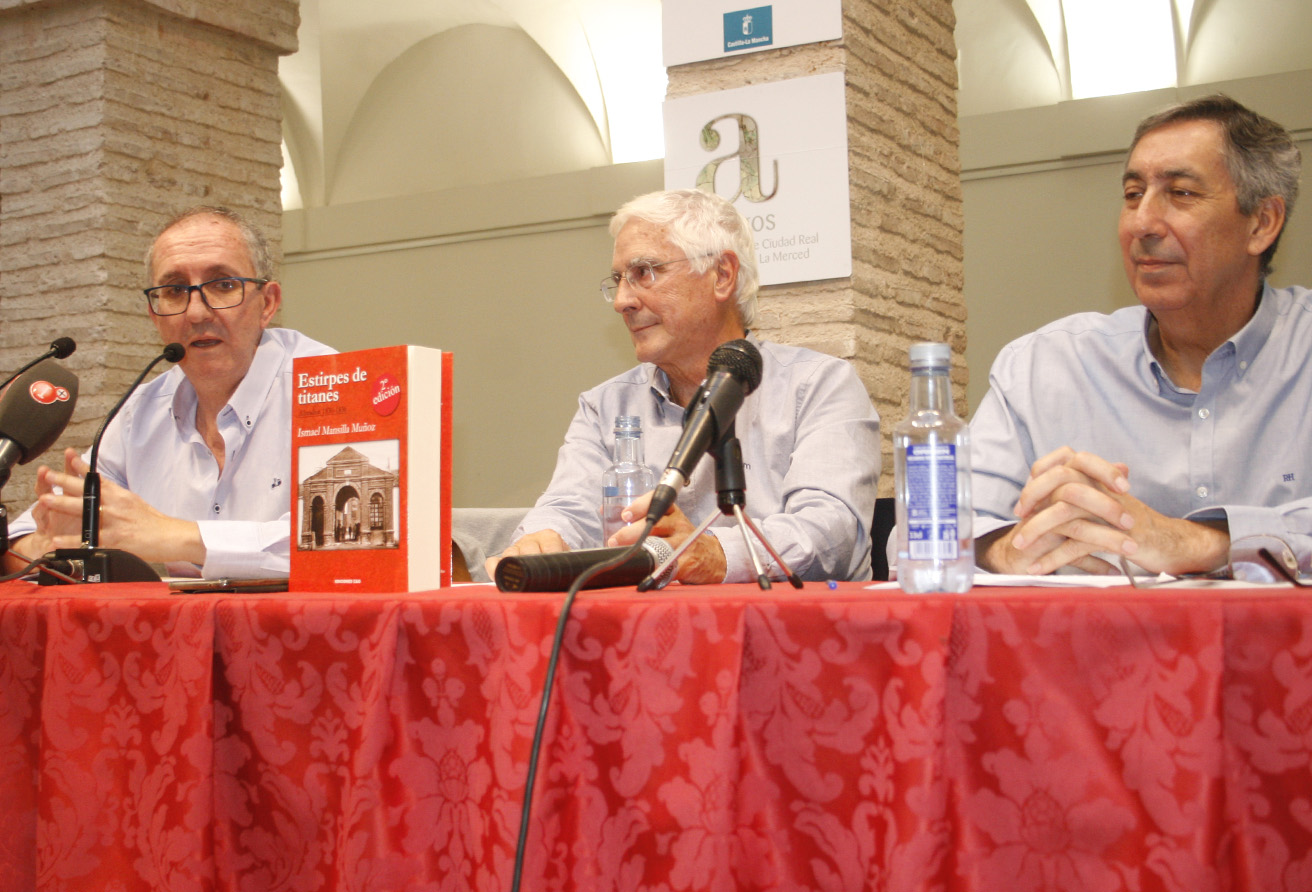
(625, 480)
(931, 469)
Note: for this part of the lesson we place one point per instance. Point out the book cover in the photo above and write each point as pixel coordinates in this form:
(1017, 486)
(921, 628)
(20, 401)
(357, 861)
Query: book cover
(371, 471)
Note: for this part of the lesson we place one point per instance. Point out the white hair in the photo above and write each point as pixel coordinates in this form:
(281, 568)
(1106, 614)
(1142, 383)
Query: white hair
(704, 226)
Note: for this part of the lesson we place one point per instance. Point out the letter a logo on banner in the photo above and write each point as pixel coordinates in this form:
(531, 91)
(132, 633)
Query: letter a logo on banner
(748, 155)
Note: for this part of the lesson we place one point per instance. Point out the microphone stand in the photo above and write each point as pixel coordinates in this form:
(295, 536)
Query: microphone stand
(731, 497)
(91, 563)
(62, 348)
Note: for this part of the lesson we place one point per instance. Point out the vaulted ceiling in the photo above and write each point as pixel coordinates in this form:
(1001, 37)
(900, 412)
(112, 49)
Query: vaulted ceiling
(404, 96)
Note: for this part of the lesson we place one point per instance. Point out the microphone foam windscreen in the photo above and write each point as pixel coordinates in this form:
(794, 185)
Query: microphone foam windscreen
(741, 360)
(556, 572)
(36, 407)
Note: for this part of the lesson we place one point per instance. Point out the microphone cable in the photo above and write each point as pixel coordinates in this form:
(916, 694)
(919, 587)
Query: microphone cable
(32, 564)
(538, 730)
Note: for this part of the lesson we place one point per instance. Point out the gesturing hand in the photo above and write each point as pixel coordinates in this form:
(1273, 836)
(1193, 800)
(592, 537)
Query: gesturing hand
(126, 520)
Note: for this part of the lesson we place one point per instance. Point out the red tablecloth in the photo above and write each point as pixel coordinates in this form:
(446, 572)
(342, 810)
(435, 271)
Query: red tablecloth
(711, 739)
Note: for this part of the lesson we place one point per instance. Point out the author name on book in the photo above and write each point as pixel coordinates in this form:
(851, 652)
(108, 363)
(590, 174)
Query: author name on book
(328, 430)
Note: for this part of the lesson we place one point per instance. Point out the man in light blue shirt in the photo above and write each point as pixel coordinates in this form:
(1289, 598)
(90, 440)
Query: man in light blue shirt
(684, 281)
(195, 468)
(1173, 434)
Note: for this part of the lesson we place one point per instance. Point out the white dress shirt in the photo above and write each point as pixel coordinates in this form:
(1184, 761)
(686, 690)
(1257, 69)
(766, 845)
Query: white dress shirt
(810, 443)
(1238, 449)
(153, 449)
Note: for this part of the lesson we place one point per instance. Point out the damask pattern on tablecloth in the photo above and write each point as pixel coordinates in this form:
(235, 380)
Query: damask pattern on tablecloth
(22, 629)
(123, 757)
(723, 741)
(767, 752)
(1268, 734)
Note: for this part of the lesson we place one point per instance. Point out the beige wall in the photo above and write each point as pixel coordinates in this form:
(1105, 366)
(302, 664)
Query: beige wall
(1042, 194)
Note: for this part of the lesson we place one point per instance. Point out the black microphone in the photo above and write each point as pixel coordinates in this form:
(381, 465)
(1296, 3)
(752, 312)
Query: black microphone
(90, 563)
(733, 372)
(556, 572)
(91, 485)
(33, 412)
(60, 348)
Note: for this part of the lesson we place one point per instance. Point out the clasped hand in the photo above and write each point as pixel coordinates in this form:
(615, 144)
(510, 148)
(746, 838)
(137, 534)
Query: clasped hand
(126, 520)
(1076, 505)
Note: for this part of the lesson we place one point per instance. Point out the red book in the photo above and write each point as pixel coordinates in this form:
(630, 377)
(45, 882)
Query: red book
(371, 471)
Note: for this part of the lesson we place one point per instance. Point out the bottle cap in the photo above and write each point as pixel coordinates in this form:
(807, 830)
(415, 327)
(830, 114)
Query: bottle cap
(628, 424)
(930, 353)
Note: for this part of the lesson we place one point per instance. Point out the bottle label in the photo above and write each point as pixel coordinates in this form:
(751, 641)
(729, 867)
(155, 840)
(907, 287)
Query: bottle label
(932, 502)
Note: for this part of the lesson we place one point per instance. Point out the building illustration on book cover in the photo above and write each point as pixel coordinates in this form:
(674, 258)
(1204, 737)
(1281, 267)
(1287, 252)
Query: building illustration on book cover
(349, 502)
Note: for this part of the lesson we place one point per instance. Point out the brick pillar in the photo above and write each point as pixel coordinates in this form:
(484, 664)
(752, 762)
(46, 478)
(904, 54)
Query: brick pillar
(115, 114)
(898, 57)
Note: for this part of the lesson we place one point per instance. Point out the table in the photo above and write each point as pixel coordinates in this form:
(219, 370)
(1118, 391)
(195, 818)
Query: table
(716, 738)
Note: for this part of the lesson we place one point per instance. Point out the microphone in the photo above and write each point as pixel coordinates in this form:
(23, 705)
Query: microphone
(91, 485)
(732, 373)
(34, 411)
(60, 348)
(90, 563)
(556, 572)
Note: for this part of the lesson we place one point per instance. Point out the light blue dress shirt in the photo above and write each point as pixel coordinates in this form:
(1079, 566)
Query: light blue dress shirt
(1239, 449)
(153, 449)
(810, 442)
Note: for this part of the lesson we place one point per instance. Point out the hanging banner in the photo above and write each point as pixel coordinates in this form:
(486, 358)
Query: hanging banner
(694, 30)
(779, 152)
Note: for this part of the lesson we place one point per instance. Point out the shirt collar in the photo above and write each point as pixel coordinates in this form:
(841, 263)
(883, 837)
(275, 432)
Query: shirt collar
(250, 395)
(1250, 339)
(660, 382)
(1245, 343)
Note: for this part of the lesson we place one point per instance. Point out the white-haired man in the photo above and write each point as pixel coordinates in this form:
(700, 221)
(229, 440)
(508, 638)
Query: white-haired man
(684, 278)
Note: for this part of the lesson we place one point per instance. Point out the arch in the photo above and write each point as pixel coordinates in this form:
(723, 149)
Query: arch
(1228, 41)
(346, 504)
(316, 521)
(474, 104)
(1007, 58)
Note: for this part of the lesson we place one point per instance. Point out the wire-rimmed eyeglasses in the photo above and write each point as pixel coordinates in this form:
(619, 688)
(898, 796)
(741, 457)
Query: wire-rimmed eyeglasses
(217, 294)
(1289, 573)
(640, 274)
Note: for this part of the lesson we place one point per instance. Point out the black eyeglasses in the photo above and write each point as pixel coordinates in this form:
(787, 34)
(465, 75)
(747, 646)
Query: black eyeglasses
(217, 294)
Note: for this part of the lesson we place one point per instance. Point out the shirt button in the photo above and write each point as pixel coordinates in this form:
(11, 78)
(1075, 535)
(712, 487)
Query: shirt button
(1204, 413)
(1243, 364)
(1202, 492)
(216, 509)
